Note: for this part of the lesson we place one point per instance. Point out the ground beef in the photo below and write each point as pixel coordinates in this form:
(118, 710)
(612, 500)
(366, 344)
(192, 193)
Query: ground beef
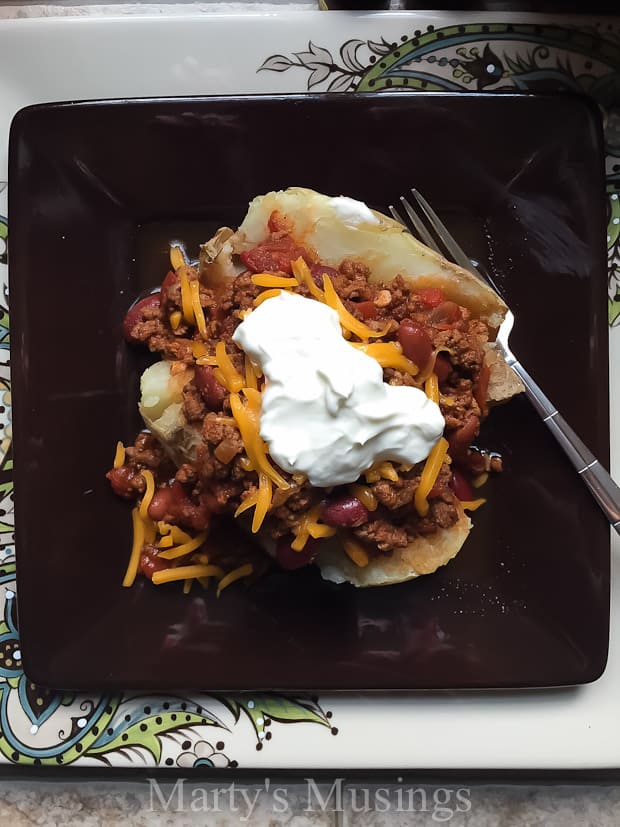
(382, 533)
(186, 474)
(394, 495)
(180, 350)
(194, 408)
(220, 487)
(238, 295)
(352, 282)
(441, 514)
(463, 403)
(465, 348)
(143, 331)
(285, 518)
(146, 452)
(397, 377)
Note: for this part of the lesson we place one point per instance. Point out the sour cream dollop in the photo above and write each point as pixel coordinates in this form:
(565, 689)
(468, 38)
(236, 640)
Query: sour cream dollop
(351, 211)
(326, 411)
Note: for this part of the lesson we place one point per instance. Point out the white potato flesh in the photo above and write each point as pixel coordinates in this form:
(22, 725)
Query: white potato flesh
(320, 223)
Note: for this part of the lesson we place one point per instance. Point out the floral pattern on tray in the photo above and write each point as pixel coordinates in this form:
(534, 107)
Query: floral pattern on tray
(201, 730)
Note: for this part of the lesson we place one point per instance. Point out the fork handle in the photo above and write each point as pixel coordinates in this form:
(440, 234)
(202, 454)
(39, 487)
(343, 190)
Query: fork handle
(603, 488)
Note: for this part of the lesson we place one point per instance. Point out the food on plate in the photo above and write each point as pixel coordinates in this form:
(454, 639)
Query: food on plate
(321, 382)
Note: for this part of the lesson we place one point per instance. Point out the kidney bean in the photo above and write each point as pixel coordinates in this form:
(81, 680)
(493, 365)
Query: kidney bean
(461, 486)
(290, 559)
(344, 511)
(123, 481)
(150, 562)
(210, 389)
(167, 501)
(460, 439)
(318, 270)
(415, 342)
(443, 368)
(135, 314)
(446, 312)
(173, 504)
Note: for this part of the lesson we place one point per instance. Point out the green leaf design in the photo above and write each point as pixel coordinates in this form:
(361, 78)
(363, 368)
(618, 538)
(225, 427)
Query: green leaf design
(614, 310)
(146, 733)
(281, 708)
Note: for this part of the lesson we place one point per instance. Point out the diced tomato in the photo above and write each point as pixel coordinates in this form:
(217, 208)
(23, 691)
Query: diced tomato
(430, 296)
(367, 310)
(273, 256)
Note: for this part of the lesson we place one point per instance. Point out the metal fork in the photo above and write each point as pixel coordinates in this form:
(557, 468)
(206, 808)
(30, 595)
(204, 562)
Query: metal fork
(603, 488)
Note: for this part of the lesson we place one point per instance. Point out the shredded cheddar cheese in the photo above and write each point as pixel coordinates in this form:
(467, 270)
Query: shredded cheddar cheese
(318, 530)
(266, 294)
(245, 463)
(186, 297)
(271, 280)
(472, 505)
(302, 534)
(302, 274)
(185, 572)
(389, 355)
(233, 381)
(309, 526)
(381, 470)
(431, 470)
(184, 548)
(348, 321)
(263, 501)
(248, 502)
(119, 456)
(166, 542)
(199, 316)
(177, 259)
(136, 549)
(247, 418)
(251, 380)
(236, 574)
(356, 552)
(150, 530)
(187, 585)
(365, 496)
(480, 480)
(172, 535)
(431, 388)
(148, 478)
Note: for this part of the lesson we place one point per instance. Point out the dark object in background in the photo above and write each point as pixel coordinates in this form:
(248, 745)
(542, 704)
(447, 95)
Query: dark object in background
(96, 190)
(546, 6)
(353, 5)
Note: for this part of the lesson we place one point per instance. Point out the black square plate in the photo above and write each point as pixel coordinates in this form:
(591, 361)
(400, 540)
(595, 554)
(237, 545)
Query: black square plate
(98, 189)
